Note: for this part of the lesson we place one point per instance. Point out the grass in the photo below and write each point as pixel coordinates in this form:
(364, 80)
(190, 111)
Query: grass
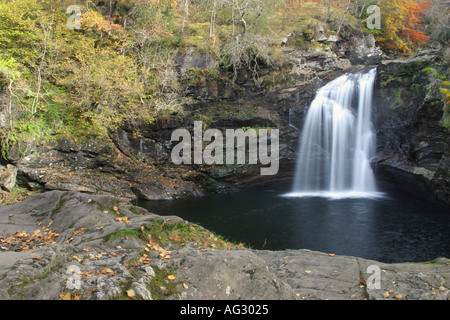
(166, 233)
(133, 233)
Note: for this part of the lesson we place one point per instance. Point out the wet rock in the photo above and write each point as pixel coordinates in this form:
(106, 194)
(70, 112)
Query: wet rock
(412, 143)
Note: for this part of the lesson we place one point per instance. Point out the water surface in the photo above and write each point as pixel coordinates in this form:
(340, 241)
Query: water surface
(390, 228)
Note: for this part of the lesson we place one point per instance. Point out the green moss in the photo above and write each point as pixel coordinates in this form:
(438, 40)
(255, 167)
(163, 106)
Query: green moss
(19, 285)
(308, 34)
(58, 206)
(161, 287)
(133, 233)
(164, 232)
(398, 102)
(445, 122)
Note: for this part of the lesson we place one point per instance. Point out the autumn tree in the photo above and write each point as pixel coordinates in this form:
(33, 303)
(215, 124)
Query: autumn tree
(402, 25)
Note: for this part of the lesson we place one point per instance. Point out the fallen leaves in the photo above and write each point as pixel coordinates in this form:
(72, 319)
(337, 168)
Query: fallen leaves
(387, 294)
(131, 294)
(106, 270)
(23, 241)
(78, 259)
(77, 232)
(154, 246)
(144, 259)
(68, 296)
(65, 296)
(123, 219)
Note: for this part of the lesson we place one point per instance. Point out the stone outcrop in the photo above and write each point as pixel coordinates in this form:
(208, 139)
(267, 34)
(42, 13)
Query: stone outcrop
(98, 166)
(91, 247)
(358, 48)
(413, 143)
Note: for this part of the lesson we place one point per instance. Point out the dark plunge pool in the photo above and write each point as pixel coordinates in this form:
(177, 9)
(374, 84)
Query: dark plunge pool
(392, 228)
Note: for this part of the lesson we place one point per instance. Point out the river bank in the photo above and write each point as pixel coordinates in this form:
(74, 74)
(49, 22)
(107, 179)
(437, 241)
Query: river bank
(69, 245)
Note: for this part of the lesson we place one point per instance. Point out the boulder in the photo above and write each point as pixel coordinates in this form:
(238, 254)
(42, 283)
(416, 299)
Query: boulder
(8, 176)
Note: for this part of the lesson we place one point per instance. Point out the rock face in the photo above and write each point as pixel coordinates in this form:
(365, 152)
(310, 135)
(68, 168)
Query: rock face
(90, 247)
(358, 47)
(97, 166)
(413, 144)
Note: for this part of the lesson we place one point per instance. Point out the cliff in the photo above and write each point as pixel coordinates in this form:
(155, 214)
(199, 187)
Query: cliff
(413, 138)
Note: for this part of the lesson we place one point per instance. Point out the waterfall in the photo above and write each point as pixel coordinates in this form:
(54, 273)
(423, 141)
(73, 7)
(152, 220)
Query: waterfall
(338, 140)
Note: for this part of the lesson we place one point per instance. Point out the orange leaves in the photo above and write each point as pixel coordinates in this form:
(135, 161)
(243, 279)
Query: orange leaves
(107, 271)
(402, 24)
(76, 232)
(154, 246)
(131, 294)
(144, 259)
(123, 219)
(176, 239)
(65, 296)
(77, 258)
(23, 241)
(68, 296)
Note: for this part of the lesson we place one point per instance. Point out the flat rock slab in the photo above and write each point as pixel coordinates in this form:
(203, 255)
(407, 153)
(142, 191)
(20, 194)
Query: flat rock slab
(80, 255)
(227, 275)
(316, 275)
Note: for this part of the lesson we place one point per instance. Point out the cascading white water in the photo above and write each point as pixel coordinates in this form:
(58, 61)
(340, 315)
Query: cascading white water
(338, 140)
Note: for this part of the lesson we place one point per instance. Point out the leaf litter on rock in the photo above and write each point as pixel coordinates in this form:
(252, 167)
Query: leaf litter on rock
(23, 241)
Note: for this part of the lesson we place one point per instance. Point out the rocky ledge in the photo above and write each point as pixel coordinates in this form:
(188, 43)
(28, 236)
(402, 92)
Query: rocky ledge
(70, 245)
